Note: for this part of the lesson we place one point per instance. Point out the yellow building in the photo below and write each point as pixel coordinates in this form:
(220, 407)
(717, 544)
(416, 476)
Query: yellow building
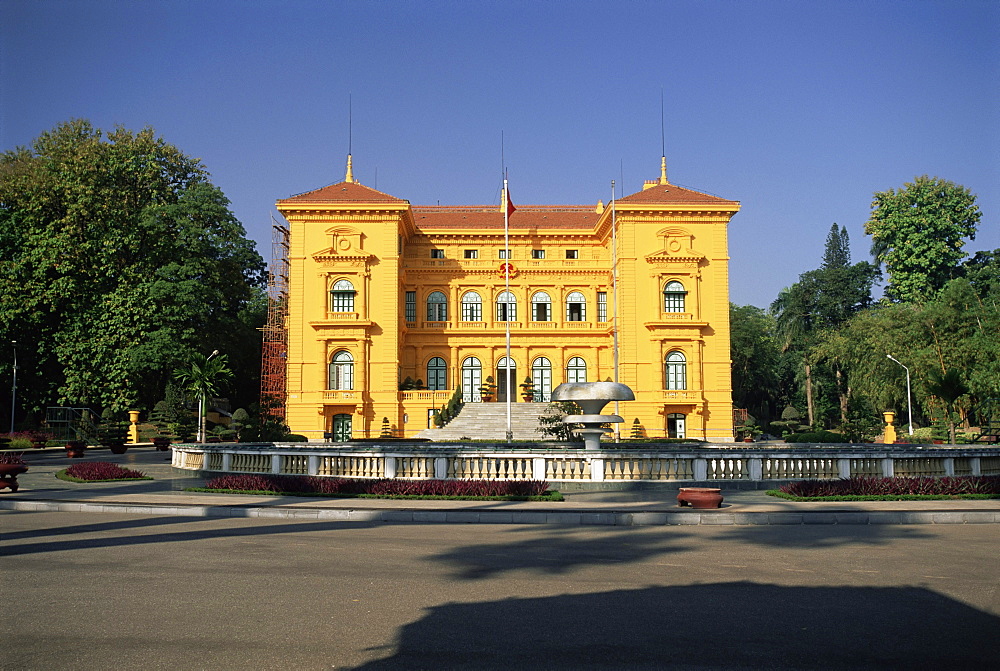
(381, 291)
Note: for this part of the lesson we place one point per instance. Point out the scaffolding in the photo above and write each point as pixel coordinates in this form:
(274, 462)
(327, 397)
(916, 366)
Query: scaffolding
(274, 352)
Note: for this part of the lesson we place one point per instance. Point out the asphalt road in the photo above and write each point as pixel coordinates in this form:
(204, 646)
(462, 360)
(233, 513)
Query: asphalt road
(102, 591)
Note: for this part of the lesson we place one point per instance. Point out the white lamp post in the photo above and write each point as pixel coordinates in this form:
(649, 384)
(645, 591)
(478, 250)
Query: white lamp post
(201, 404)
(909, 405)
(13, 388)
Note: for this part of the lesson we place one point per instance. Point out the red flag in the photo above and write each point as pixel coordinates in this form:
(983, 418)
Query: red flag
(510, 205)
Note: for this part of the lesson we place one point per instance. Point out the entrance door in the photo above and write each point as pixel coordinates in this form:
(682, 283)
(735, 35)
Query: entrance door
(541, 378)
(505, 382)
(341, 428)
(675, 425)
(472, 380)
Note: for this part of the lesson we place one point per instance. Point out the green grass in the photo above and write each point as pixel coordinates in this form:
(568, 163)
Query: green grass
(548, 496)
(69, 478)
(897, 497)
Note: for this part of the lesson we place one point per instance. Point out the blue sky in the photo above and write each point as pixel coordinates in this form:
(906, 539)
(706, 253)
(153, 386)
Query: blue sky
(800, 110)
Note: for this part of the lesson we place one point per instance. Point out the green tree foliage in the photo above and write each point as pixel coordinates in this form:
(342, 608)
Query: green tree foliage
(821, 301)
(948, 387)
(121, 259)
(918, 233)
(756, 354)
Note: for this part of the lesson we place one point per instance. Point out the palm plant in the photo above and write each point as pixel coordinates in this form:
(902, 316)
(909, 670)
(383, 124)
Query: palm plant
(948, 387)
(203, 379)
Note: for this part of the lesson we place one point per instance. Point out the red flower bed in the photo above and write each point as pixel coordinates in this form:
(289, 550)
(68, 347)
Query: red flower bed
(868, 486)
(304, 484)
(101, 470)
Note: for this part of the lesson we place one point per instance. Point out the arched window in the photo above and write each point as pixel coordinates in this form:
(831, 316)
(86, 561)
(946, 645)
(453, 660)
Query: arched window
(541, 379)
(576, 370)
(472, 307)
(673, 297)
(576, 307)
(675, 371)
(437, 307)
(472, 380)
(342, 297)
(506, 307)
(437, 374)
(541, 307)
(341, 372)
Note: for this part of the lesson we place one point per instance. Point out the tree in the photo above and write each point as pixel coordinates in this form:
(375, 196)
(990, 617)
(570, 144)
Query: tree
(202, 378)
(822, 300)
(948, 387)
(121, 260)
(918, 233)
(755, 353)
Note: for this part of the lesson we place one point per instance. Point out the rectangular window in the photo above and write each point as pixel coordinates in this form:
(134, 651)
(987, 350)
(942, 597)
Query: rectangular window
(504, 254)
(411, 306)
(572, 254)
(538, 253)
(542, 311)
(602, 306)
(472, 253)
(472, 312)
(437, 253)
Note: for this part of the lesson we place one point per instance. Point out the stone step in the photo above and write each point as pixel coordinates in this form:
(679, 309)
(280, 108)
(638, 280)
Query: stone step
(488, 421)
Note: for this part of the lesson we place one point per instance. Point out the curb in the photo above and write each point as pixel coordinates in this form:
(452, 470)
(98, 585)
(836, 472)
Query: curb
(577, 517)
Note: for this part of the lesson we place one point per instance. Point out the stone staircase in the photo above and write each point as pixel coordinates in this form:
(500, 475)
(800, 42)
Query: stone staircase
(488, 421)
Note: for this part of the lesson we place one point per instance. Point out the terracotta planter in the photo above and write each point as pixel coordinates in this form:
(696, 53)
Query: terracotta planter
(38, 444)
(8, 475)
(486, 399)
(75, 449)
(701, 498)
(161, 444)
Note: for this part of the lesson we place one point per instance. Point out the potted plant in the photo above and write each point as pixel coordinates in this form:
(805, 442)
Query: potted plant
(528, 390)
(487, 389)
(112, 436)
(75, 449)
(11, 466)
(39, 438)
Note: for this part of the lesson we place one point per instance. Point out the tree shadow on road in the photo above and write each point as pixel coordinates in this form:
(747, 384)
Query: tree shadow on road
(737, 625)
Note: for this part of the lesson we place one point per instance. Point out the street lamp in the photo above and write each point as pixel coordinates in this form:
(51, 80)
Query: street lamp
(201, 404)
(909, 405)
(13, 388)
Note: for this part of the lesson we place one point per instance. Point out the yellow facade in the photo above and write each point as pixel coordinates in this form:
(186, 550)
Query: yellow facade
(381, 290)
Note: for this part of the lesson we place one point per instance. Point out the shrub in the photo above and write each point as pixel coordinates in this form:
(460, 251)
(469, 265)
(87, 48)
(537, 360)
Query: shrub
(305, 484)
(102, 470)
(294, 438)
(19, 441)
(870, 486)
(815, 437)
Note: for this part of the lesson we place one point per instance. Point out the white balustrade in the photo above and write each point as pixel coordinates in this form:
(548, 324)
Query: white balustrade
(717, 463)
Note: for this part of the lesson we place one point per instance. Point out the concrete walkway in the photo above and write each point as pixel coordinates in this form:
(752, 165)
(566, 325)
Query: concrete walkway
(165, 495)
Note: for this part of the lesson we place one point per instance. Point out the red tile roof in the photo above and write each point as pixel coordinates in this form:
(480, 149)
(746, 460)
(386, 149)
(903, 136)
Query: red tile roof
(552, 217)
(343, 192)
(670, 193)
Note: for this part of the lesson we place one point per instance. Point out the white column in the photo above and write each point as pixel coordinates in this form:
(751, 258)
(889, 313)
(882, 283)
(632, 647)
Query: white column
(701, 469)
(844, 468)
(390, 466)
(538, 468)
(275, 463)
(597, 470)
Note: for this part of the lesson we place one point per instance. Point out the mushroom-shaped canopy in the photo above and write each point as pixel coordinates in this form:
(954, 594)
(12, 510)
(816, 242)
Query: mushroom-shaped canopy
(592, 396)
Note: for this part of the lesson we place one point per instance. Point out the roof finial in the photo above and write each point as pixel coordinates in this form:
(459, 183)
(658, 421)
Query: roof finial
(663, 170)
(349, 177)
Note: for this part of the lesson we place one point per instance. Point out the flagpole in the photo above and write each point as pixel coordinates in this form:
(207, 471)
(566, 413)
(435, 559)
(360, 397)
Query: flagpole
(506, 245)
(614, 296)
